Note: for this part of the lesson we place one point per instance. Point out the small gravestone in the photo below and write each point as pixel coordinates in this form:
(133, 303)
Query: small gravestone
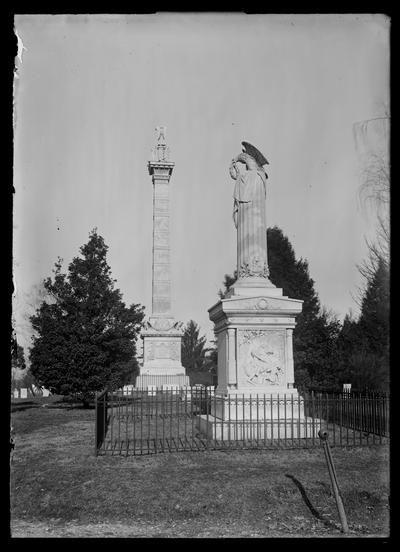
(24, 393)
(45, 392)
(172, 389)
(186, 392)
(16, 394)
(151, 390)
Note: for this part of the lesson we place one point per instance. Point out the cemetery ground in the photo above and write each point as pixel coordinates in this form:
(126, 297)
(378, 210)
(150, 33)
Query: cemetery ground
(59, 488)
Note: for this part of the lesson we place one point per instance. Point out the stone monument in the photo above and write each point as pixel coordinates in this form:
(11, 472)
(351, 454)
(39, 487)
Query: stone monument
(254, 322)
(162, 334)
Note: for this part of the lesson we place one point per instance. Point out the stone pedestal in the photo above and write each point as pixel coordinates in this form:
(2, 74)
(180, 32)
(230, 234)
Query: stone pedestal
(254, 326)
(254, 331)
(162, 354)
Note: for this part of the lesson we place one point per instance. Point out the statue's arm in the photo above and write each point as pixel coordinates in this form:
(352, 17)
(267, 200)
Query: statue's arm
(233, 170)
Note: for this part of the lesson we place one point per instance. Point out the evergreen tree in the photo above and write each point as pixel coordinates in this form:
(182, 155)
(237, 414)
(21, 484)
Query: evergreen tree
(363, 344)
(18, 364)
(374, 317)
(17, 355)
(193, 348)
(211, 361)
(228, 281)
(85, 336)
(289, 274)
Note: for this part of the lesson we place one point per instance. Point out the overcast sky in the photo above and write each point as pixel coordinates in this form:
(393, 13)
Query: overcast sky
(89, 92)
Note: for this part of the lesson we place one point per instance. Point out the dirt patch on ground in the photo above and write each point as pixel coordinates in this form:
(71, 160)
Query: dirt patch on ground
(21, 529)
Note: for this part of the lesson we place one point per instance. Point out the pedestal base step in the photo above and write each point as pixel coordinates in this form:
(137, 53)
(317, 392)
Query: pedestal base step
(239, 430)
(157, 380)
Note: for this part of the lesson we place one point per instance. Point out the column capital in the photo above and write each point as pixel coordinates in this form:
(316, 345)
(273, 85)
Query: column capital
(160, 170)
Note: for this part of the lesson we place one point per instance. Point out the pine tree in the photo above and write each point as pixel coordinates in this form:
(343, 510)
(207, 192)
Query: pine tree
(291, 275)
(374, 317)
(18, 364)
(17, 355)
(193, 348)
(363, 344)
(85, 336)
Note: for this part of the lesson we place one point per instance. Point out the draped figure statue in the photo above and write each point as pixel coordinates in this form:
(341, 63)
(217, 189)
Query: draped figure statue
(249, 212)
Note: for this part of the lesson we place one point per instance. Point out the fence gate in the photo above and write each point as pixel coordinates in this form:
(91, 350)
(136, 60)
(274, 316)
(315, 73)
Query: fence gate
(158, 420)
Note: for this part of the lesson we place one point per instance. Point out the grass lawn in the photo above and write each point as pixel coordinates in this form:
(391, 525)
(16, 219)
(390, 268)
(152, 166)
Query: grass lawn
(60, 489)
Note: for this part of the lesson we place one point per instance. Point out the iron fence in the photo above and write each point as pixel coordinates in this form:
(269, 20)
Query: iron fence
(363, 411)
(192, 419)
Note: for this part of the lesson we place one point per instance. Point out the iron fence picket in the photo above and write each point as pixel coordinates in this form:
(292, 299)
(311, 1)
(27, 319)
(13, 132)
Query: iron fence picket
(134, 423)
(192, 413)
(126, 424)
(249, 432)
(300, 404)
(334, 418)
(229, 420)
(111, 422)
(272, 417)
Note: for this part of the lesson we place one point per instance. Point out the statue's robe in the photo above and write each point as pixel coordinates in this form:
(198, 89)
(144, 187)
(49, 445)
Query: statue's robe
(250, 220)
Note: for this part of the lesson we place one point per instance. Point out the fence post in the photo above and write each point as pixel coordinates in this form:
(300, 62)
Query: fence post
(323, 435)
(95, 425)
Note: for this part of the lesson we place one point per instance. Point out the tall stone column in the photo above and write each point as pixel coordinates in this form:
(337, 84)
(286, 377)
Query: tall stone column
(161, 289)
(162, 334)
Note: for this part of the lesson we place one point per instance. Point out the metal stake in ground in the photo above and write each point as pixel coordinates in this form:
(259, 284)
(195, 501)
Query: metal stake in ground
(323, 435)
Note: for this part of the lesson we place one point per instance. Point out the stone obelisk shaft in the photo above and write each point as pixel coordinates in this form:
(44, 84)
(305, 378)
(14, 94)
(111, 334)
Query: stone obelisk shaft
(161, 288)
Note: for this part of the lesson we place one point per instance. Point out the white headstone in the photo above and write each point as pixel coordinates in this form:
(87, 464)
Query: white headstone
(16, 394)
(346, 387)
(186, 392)
(45, 392)
(174, 389)
(24, 393)
(151, 390)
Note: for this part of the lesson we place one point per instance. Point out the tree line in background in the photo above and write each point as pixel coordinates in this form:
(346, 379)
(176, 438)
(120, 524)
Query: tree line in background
(84, 334)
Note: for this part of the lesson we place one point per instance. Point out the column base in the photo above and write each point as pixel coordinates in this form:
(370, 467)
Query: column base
(244, 430)
(255, 407)
(159, 380)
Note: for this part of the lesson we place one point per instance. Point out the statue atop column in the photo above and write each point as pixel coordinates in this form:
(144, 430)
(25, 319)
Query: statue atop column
(249, 212)
(160, 151)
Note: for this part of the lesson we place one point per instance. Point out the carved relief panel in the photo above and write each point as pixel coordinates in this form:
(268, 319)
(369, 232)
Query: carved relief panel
(261, 357)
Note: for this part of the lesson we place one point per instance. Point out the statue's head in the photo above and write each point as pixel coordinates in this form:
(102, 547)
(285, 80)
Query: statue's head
(252, 158)
(249, 161)
(255, 154)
